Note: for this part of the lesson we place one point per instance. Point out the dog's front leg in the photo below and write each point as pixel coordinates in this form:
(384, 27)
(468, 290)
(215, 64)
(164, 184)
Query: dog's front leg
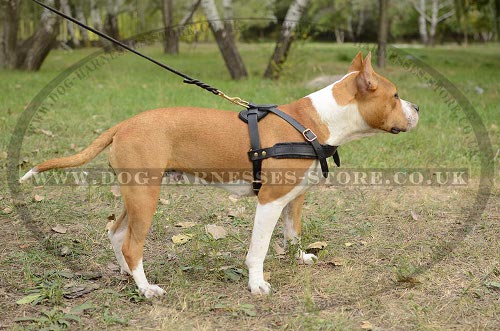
(293, 229)
(266, 217)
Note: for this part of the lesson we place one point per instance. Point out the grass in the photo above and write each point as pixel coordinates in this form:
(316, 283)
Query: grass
(435, 270)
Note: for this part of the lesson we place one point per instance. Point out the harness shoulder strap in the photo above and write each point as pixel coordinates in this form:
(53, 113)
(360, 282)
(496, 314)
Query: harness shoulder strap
(311, 149)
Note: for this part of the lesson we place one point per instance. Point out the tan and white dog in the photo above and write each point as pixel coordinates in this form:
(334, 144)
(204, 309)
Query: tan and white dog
(360, 104)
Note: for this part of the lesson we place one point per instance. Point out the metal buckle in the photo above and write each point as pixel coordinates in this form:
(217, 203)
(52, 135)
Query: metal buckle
(305, 132)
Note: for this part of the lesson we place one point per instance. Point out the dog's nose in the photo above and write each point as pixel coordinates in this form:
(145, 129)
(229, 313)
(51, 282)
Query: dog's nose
(415, 107)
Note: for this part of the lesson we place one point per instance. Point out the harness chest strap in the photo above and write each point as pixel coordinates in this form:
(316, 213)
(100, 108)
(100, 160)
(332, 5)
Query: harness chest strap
(311, 149)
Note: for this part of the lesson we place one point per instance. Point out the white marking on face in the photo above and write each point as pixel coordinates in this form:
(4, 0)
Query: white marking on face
(344, 122)
(410, 114)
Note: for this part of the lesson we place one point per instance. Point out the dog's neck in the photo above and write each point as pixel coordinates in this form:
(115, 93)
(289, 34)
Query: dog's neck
(345, 123)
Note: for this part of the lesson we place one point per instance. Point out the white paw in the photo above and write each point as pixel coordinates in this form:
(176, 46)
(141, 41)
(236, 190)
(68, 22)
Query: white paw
(304, 258)
(259, 287)
(151, 291)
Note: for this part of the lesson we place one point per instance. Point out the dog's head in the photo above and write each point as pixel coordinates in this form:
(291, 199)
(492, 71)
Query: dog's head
(376, 98)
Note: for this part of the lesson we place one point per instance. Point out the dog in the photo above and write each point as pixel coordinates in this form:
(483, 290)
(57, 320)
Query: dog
(182, 139)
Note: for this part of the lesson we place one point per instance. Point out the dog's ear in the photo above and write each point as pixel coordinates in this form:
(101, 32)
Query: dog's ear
(357, 63)
(367, 81)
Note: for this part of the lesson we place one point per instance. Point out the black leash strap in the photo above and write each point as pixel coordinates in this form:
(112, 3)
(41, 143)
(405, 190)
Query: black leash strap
(311, 149)
(187, 79)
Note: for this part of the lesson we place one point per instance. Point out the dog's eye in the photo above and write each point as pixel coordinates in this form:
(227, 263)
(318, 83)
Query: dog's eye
(396, 96)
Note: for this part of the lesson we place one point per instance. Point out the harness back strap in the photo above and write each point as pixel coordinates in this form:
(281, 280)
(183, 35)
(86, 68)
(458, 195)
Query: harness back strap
(311, 149)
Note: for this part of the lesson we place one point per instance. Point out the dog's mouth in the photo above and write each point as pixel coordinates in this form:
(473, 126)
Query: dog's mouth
(395, 130)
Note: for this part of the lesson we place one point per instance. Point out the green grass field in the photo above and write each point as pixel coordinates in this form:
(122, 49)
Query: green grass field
(398, 257)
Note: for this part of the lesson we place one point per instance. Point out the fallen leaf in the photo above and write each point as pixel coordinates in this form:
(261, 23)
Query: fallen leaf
(3, 155)
(23, 161)
(109, 225)
(48, 133)
(164, 201)
(59, 229)
(182, 238)
(7, 210)
(72, 146)
(113, 267)
(267, 275)
(185, 225)
(414, 215)
(236, 213)
(1, 198)
(112, 217)
(278, 249)
(315, 247)
(65, 251)
(248, 309)
(29, 298)
(408, 279)
(88, 275)
(78, 290)
(347, 244)
(364, 243)
(233, 198)
(23, 246)
(217, 232)
(115, 189)
(38, 198)
(233, 274)
(493, 285)
(366, 325)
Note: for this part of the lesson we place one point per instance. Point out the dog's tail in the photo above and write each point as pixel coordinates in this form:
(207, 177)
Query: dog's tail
(78, 159)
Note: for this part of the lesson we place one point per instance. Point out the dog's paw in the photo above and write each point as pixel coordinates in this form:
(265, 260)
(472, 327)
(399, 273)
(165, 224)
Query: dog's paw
(259, 287)
(152, 291)
(304, 258)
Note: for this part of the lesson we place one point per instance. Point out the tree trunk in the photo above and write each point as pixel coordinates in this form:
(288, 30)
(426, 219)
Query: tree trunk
(33, 51)
(225, 41)
(422, 22)
(496, 19)
(434, 22)
(84, 35)
(73, 40)
(285, 39)
(171, 42)
(383, 29)
(9, 22)
(228, 16)
(111, 24)
(95, 16)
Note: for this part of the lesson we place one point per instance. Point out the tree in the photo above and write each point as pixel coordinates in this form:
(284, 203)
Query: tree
(383, 29)
(225, 41)
(66, 9)
(285, 38)
(172, 33)
(32, 52)
(9, 22)
(440, 11)
(111, 23)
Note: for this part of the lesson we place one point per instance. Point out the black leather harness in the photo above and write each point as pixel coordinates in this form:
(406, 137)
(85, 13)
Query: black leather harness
(310, 149)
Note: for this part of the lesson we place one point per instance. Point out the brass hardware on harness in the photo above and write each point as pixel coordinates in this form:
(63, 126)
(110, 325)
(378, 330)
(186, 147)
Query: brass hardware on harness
(264, 153)
(236, 100)
(255, 154)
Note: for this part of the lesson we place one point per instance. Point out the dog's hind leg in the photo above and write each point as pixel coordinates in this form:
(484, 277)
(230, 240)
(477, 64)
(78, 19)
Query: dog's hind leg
(141, 202)
(292, 214)
(116, 234)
